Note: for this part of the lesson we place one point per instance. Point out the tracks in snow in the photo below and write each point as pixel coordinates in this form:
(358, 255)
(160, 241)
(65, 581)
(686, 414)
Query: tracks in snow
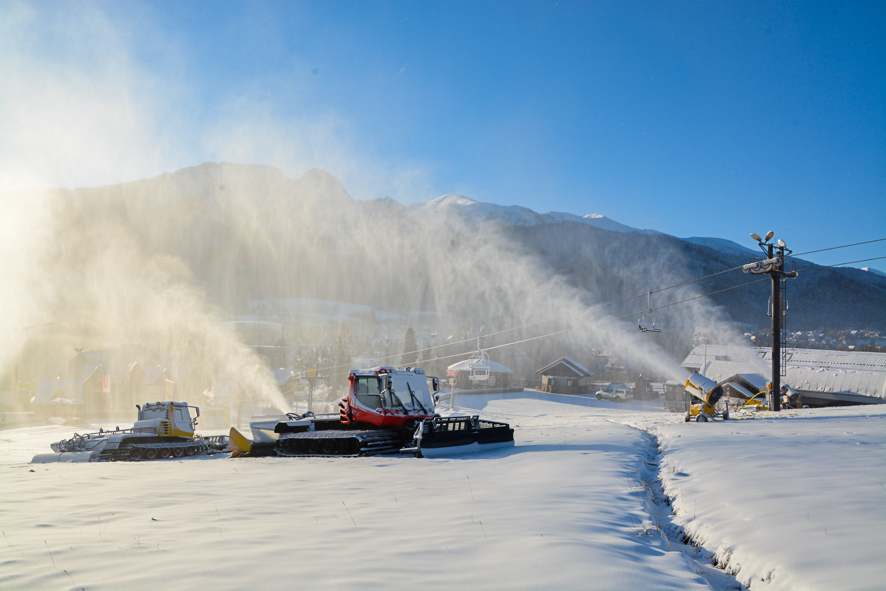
(712, 567)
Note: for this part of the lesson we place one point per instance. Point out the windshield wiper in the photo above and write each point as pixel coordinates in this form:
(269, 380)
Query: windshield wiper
(415, 399)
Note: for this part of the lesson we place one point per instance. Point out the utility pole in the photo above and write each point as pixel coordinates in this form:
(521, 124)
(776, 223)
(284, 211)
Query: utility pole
(773, 266)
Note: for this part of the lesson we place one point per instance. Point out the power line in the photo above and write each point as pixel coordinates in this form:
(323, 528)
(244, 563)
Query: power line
(603, 305)
(632, 314)
(836, 247)
(556, 333)
(815, 268)
(566, 330)
(740, 266)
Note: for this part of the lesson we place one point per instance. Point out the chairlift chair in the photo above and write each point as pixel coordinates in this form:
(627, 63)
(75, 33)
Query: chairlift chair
(481, 373)
(649, 321)
(785, 306)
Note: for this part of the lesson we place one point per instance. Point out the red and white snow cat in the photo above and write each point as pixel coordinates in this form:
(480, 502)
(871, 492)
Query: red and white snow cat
(386, 411)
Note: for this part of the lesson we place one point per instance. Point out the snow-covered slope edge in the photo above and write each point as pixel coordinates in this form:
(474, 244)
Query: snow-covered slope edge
(477, 212)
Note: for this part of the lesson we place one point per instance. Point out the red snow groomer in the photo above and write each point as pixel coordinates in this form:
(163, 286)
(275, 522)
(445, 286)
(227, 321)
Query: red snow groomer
(386, 411)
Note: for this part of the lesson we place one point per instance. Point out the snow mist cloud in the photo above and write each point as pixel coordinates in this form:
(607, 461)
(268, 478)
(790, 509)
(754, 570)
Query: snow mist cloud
(81, 279)
(161, 262)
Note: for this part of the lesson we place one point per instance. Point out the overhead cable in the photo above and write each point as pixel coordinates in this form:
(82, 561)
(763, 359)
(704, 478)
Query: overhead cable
(836, 247)
(603, 305)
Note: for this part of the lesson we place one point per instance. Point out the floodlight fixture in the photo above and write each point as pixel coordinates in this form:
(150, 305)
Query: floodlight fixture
(769, 236)
(756, 237)
(781, 243)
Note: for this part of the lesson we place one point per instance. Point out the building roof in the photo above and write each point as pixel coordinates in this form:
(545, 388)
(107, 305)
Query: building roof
(88, 370)
(858, 360)
(154, 373)
(565, 367)
(809, 370)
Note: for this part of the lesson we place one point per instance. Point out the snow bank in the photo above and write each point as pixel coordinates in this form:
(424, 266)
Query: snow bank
(793, 502)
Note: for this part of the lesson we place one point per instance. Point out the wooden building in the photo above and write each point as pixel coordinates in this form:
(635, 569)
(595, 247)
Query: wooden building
(565, 376)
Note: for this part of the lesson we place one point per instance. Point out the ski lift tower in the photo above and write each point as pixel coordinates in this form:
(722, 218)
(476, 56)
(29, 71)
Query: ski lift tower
(311, 377)
(773, 265)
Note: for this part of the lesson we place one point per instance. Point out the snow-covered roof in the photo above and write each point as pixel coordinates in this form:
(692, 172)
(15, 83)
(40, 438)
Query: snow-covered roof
(88, 370)
(702, 355)
(747, 384)
(857, 360)
(469, 364)
(153, 373)
(807, 370)
(819, 379)
(573, 367)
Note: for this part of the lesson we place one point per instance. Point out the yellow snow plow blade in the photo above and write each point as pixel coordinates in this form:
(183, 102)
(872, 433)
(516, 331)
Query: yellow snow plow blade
(238, 444)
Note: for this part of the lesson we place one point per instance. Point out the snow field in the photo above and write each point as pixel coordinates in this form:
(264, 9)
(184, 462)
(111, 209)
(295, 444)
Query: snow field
(573, 505)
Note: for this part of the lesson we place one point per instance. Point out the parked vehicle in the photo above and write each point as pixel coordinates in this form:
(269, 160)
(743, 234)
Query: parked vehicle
(616, 393)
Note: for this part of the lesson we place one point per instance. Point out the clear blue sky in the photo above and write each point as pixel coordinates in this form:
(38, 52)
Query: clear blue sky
(692, 118)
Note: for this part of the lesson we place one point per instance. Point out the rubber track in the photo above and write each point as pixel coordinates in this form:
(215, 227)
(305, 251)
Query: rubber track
(338, 443)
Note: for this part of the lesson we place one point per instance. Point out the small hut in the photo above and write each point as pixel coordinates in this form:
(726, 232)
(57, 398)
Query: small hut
(565, 376)
(479, 372)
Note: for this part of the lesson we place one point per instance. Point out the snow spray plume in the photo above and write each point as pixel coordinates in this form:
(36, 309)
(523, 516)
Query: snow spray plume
(246, 236)
(96, 286)
(514, 286)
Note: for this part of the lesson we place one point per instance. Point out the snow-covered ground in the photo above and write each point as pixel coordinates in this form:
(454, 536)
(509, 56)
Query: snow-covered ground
(594, 495)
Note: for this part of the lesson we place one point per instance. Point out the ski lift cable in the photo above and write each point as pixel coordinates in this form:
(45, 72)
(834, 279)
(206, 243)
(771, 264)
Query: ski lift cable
(740, 266)
(567, 330)
(631, 315)
(836, 247)
(601, 305)
(817, 267)
(634, 314)
(647, 294)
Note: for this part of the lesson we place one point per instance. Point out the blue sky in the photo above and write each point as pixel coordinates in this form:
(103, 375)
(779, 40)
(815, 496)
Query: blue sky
(691, 118)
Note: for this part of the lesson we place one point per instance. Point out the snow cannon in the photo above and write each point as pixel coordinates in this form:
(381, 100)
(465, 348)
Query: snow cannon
(709, 393)
(790, 398)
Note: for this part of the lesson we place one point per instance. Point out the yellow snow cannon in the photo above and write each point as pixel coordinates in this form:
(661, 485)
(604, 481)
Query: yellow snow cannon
(709, 393)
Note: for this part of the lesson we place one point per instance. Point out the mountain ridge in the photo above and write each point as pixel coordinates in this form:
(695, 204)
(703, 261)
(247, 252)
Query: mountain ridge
(248, 232)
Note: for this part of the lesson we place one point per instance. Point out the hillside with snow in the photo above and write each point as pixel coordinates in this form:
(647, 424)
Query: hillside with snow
(247, 232)
(477, 212)
(177, 262)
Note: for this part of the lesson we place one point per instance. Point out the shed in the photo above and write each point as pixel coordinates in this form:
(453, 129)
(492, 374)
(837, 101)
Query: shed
(565, 376)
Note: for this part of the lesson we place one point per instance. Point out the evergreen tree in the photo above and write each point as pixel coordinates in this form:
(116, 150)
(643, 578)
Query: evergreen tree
(410, 356)
(341, 356)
